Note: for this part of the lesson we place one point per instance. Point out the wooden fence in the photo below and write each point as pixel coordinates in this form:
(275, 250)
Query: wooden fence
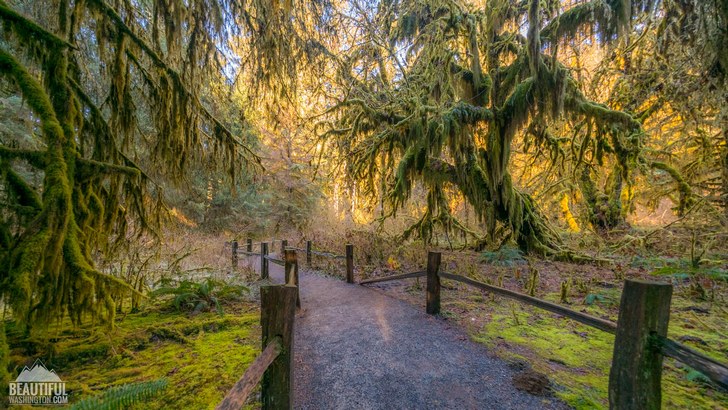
(639, 347)
(275, 364)
(640, 334)
(277, 306)
(265, 258)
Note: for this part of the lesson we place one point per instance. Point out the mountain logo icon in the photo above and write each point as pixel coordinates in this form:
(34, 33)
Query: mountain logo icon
(38, 373)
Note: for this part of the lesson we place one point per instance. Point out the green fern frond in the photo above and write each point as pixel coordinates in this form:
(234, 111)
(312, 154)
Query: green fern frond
(121, 397)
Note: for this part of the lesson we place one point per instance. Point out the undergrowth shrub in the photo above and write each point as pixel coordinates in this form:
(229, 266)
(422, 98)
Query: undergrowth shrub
(505, 256)
(195, 297)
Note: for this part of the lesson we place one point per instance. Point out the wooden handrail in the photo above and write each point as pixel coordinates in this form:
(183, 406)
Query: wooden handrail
(253, 374)
(395, 277)
(713, 370)
(275, 260)
(318, 253)
(601, 324)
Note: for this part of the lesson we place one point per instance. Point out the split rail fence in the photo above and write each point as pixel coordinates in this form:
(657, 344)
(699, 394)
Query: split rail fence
(639, 347)
(640, 334)
(273, 367)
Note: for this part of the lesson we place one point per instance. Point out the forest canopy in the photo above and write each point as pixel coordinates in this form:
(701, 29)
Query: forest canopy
(509, 110)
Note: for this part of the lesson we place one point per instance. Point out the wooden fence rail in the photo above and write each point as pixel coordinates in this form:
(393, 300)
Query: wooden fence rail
(714, 370)
(318, 253)
(237, 396)
(274, 367)
(640, 334)
(275, 260)
(265, 258)
(395, 277)
(601, 324)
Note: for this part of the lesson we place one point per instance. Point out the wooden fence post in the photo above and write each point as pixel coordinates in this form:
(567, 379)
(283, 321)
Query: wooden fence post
(308, 253)
(250, 245)
(291, 273)
(263, 260)
(433, 283)
(234, 255)
(289, 259)
(634, 379)
(349, 263)
(277, 314)
(284, 245)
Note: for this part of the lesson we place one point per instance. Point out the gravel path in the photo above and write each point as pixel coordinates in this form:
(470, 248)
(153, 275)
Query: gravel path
(357, 348)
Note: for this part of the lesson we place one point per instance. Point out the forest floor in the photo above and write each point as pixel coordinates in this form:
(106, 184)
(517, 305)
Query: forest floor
(378, 348)
(199, 356)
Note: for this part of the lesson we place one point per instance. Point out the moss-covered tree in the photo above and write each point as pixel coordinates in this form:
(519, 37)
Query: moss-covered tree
(115, 97)
(441, 89)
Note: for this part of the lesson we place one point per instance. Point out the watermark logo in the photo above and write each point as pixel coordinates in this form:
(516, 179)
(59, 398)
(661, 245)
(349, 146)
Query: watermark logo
(38, 386)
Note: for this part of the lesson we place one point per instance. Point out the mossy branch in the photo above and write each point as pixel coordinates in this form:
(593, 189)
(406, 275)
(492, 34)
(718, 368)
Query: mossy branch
(34, 94)
(33, 157)
(175, 76)
(23, 24)
(25, 194)
(89, 167)
(686, 193)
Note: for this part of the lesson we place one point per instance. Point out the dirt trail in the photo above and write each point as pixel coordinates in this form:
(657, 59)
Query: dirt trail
(357, 348)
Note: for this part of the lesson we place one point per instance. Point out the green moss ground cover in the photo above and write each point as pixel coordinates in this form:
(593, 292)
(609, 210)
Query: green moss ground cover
(577, 358)
(200, 356)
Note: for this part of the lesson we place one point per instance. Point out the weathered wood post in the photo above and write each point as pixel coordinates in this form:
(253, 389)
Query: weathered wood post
(277, 314)
(634, 379)
(234, 255)
(263, 260)
(349, 263)
(308, 253)
(291, 272)
(284, 245)
(433, 283)
(249, 245)
(288, 262)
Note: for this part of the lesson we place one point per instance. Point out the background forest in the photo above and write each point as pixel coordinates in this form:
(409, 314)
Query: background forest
(557, 146)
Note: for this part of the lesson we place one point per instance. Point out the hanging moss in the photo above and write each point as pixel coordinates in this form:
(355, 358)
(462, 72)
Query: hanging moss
(439, 139)
(92, 191)
(686, 200)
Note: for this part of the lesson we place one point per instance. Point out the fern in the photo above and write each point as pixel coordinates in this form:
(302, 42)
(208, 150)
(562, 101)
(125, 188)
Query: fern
(505, 256)
(196, 297)
(121, 397)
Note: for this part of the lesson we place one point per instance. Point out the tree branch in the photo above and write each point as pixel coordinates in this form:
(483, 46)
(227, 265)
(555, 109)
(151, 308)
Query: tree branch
(88, 167)
(173, 74)
(34, 158)
(13, 17)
